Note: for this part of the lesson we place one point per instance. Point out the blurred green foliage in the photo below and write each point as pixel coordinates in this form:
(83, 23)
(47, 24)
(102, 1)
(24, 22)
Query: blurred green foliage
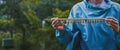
(24, 18)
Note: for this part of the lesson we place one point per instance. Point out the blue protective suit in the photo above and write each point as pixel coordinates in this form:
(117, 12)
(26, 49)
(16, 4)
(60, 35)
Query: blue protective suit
(90, 36)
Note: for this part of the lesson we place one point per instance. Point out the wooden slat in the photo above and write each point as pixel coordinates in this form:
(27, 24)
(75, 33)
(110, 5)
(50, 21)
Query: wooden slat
(78, 19)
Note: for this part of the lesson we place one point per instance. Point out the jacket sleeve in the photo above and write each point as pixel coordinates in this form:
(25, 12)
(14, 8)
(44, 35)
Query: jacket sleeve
(117, 36)
(65, 36)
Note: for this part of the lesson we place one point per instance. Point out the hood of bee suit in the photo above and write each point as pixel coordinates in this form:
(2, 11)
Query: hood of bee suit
(107, 6)
(105, 0)
(99, 10)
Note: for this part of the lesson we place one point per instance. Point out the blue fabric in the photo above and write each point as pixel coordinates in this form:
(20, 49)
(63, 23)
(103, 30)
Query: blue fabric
(94, 36)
